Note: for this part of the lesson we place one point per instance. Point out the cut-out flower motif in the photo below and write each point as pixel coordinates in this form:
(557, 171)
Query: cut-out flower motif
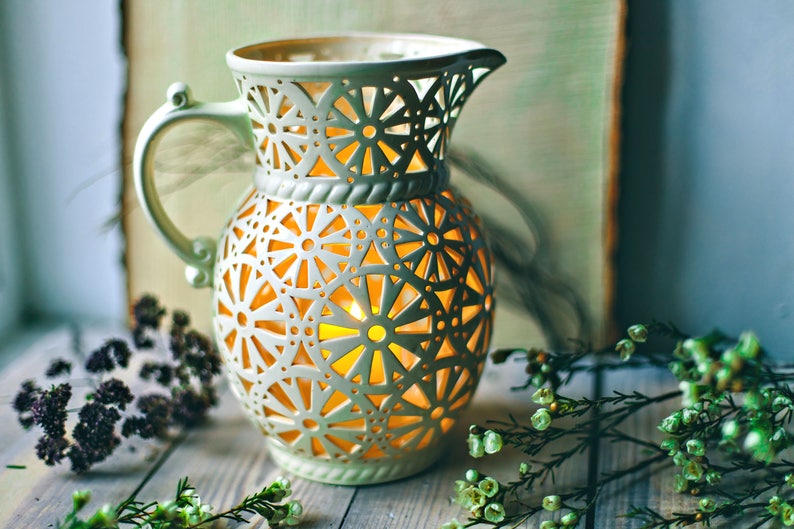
(369, 131)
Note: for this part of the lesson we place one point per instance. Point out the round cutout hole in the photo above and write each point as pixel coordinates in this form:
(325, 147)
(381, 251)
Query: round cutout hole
(376, 333)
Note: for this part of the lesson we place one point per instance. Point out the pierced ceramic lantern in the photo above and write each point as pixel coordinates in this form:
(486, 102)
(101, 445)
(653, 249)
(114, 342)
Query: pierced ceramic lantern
(352, 287)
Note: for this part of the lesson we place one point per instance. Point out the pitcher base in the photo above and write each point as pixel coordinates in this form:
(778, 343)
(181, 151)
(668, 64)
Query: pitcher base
(354, 473)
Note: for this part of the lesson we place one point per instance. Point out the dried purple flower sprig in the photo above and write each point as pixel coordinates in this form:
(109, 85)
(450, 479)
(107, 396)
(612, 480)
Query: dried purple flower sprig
(188, 378)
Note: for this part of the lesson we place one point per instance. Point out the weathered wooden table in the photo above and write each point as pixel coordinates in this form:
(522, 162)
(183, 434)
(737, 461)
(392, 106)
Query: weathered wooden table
(225, 459)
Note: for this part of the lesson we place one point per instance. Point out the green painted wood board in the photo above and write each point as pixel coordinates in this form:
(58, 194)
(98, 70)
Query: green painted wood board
(546, 122)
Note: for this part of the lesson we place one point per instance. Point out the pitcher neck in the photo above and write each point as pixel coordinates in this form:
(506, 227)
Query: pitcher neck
(372, 189)
(356, 132)
(356, 139)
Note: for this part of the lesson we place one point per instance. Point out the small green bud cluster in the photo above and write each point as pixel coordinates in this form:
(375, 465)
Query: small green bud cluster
(288, 513)
(712, 364)
(542, 368)
(691, 458)
(686, 445)
(546, 397)
(481, 443)
(766, 412)
(541, 419)
(187, 510)
(758, 427)
(782, 509)
(707, 505)
(688, 419)
(481, 495)
(105, 517)
(543, 396)
(189, 507)
(636, 334)
(553, 503)
(711, 369)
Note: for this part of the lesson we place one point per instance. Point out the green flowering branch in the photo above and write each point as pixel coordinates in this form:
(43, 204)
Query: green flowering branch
(186, 511)
(723, 444)
(539, 436)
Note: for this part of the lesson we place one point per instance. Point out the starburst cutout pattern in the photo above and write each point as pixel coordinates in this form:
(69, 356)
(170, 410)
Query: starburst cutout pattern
(354, 333)
(358, 132)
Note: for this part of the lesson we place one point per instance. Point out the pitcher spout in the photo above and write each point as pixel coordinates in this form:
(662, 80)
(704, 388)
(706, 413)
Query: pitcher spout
(482, 62)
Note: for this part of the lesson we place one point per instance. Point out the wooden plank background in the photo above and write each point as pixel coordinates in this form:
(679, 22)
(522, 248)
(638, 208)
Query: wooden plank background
(546, 122)
(655, 487)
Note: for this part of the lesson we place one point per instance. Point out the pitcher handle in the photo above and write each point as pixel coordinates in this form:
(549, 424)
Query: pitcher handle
(198, 253)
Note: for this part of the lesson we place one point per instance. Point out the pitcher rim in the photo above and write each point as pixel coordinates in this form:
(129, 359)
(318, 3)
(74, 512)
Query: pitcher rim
(453, 50)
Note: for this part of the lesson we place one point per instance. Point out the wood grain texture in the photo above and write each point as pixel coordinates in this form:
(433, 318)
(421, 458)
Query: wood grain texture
(653, 489)
(16, 445)
(225, 460)
(545, 121)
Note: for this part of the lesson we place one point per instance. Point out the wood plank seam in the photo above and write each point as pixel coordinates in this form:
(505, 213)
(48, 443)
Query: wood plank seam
(593, 462)
(347, 509)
